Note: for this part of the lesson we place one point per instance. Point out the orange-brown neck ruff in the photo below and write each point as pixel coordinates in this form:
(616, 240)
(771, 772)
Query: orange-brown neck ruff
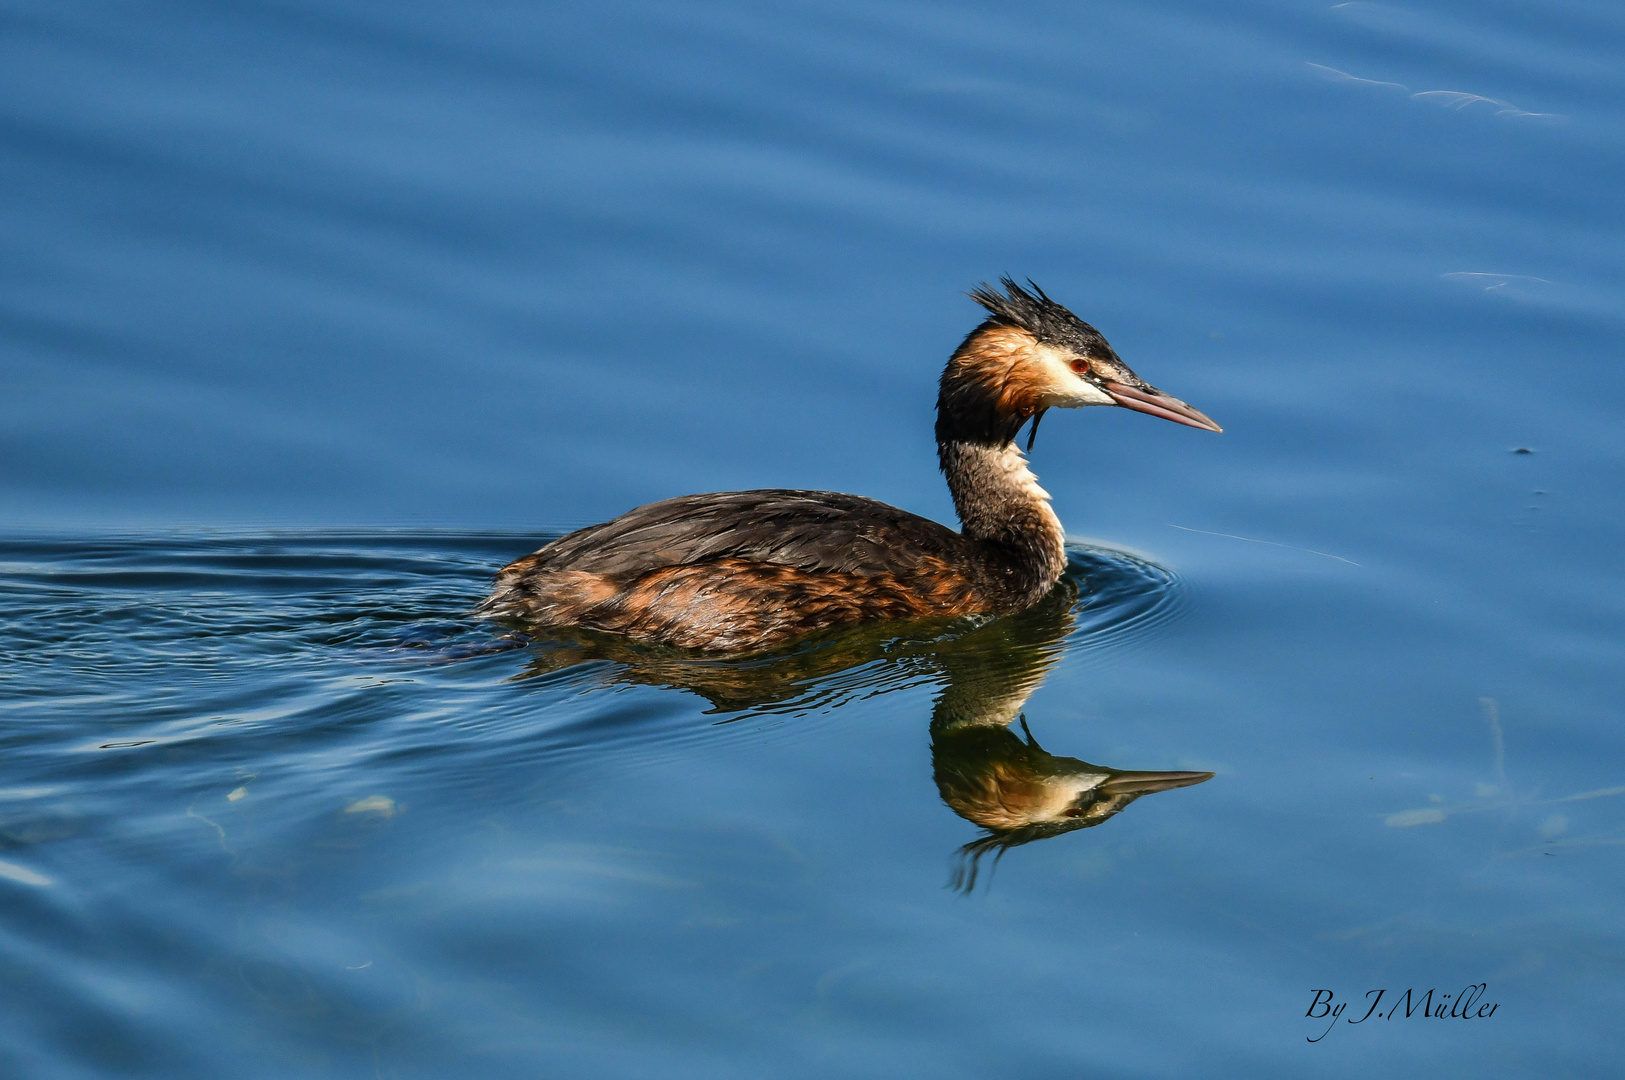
(990, 387)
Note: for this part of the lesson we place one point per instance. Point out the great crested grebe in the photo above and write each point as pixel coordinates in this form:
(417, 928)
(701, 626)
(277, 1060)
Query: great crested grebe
(745, 570)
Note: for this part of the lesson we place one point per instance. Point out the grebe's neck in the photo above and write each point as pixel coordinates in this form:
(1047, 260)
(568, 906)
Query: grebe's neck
(1002, 507)
(999, 378)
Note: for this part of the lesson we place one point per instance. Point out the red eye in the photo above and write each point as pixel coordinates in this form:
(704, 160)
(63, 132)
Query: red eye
(1081, 366)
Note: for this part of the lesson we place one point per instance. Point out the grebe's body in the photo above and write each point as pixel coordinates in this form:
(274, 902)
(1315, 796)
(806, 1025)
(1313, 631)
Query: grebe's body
(747, 569)
(752, 569)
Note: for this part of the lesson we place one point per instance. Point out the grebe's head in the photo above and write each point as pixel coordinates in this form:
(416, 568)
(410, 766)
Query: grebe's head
(1032, 354)
(988, 775)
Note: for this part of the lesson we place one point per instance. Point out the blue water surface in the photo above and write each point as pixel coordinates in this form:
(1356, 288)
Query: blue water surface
(313, 314)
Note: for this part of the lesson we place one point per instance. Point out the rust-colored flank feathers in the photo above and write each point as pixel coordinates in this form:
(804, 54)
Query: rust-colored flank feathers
(747, 570)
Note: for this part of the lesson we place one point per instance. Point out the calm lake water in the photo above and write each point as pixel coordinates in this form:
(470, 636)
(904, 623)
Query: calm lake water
(315, 314)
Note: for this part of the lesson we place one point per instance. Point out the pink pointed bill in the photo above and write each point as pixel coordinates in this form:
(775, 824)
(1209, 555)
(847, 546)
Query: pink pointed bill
(1156, 403)
(1143, 783)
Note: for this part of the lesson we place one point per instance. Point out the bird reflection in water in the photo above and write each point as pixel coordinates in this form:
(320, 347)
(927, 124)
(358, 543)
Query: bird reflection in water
(1019, 792)
(988, 667)
(1007, 783)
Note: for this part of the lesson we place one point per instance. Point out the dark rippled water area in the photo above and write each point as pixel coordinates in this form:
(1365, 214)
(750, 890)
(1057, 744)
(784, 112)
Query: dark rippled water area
(313, 313)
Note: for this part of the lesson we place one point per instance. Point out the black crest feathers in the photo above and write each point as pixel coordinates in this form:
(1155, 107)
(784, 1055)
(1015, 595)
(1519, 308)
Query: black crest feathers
(1033, 311)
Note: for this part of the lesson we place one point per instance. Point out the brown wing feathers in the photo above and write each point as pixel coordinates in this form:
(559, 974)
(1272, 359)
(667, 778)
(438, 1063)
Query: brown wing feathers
(735, 569)
(811, 530)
